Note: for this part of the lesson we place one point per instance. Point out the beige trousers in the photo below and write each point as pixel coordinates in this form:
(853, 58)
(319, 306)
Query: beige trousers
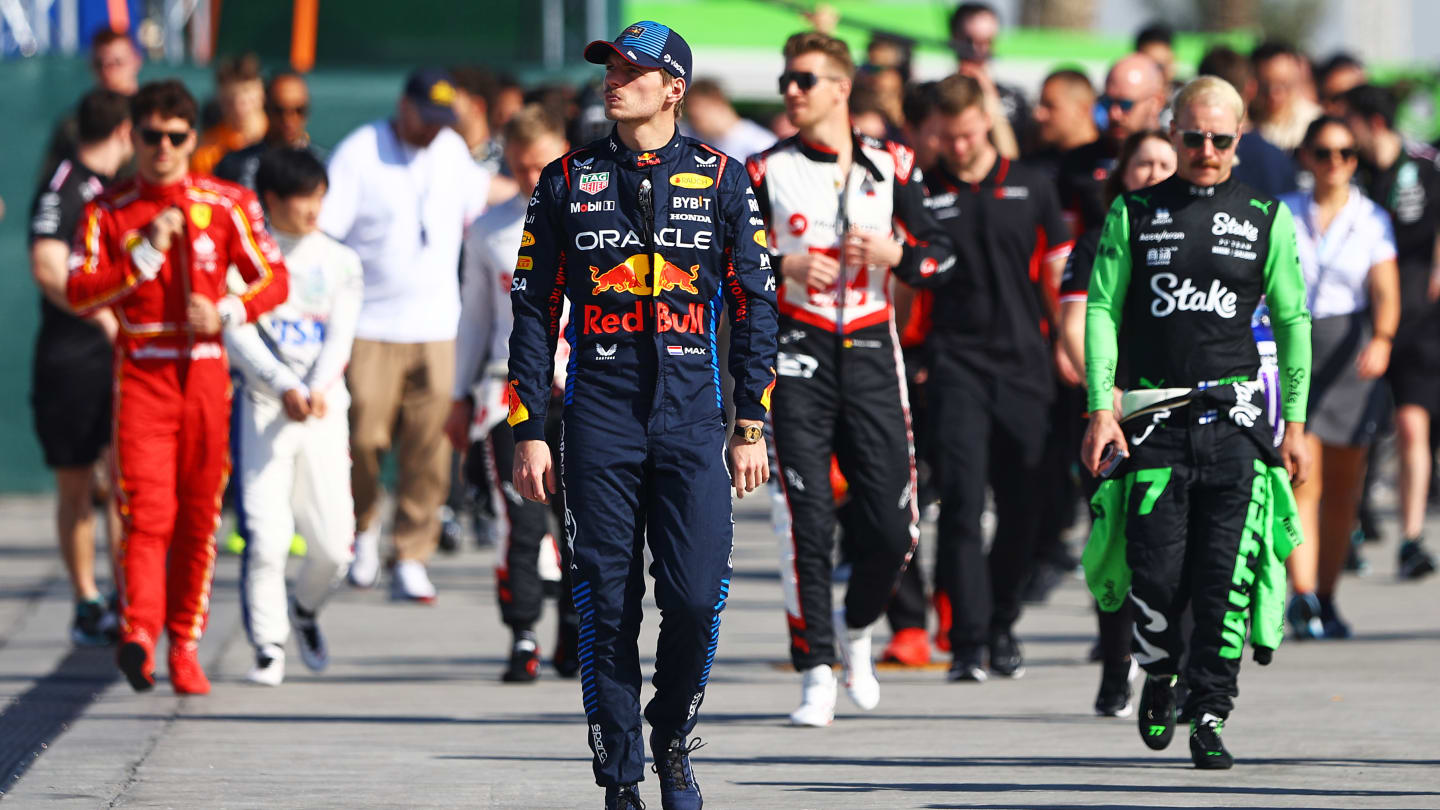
(400, 394)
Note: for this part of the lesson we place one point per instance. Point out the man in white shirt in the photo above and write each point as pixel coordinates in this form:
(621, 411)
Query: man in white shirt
(401, 193)
(291, 436)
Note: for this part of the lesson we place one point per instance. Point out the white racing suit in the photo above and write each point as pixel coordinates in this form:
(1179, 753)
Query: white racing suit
(295, 475)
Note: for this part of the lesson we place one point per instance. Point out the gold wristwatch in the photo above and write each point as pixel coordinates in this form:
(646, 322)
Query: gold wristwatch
(752, 434)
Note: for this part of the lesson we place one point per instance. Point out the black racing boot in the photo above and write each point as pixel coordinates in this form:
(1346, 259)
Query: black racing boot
(678, 788)
(624, 797)
(1207, 751)
(1157, 711)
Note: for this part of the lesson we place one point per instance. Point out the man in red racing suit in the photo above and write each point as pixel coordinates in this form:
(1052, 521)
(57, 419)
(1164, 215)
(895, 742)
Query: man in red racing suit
(156, 250)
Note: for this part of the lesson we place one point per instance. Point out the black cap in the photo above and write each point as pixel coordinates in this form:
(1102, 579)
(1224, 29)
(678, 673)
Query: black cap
(433, 93)
(648, 45)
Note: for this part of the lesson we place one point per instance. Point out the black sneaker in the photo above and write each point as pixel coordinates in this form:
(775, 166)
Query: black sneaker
(1303, 616)
(94, 626)
(1157, 711)
(313, 649)
(1332, 625)
(1415, 561)
(678, 788)
(566, 657)
(625, 797)
(1114, 699)
(524, 660)
(967, 667)
(1006, 659)
(1207, 750)
(451, 532)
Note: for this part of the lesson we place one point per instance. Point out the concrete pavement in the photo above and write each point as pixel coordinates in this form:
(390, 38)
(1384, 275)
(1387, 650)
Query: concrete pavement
(411, 713)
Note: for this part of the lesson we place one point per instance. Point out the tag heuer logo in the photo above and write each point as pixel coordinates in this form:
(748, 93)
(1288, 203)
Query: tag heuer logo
(594, 182)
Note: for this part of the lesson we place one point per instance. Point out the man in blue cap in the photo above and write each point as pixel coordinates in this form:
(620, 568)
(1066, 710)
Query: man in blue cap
(648, 234)
(401, 193)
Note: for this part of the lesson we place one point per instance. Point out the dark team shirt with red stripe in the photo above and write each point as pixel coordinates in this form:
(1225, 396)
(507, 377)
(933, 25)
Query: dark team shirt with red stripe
(55, 214)
(990, 318)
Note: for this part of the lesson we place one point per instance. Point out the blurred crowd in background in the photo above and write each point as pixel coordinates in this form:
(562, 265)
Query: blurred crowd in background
(1085, 133)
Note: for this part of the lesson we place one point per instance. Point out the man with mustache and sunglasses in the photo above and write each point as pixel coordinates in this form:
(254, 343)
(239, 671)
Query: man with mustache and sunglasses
(1200, 513)
(845, 211)
(155, 250)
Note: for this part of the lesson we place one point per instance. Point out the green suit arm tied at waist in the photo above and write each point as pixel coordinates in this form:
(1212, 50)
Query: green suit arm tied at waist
(1107, 568)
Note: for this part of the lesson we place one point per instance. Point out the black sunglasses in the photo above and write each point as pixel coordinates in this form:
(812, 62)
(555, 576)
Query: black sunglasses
(803, 79)
(1108, 101)
(152, 137)
(1346, 153)
(1195, 139)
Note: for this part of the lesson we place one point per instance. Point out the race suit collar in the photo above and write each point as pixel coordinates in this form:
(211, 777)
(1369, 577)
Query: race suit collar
(170, 192)
(633, 159)
(821, 153)
(1186, 187)
(999, 170)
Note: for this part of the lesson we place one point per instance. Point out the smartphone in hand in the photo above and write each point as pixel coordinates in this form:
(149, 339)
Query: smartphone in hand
(1110, 460)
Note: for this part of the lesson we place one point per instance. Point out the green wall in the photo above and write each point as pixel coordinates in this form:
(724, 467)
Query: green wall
(35, 94)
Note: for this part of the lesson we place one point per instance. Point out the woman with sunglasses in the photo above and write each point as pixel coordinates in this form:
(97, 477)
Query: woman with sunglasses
(1146, 158)
(1347, 252)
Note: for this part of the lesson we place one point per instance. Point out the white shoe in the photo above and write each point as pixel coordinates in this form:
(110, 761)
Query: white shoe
(269, 669)
(860, 681)
(365, 568)
(549, 564)
(412, 582)
(817, 698)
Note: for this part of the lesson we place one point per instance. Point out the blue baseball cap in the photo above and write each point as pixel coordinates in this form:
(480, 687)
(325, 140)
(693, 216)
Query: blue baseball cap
(432, 92)
(645, 44)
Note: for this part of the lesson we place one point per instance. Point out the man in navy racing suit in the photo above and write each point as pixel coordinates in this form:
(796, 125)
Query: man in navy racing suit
(648, 234)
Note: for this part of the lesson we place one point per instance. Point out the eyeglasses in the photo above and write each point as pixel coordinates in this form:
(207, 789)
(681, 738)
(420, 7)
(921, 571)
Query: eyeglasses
(803, 79)
(1107, 101)
(152, 137)
(1346, 153)
(1195, 139)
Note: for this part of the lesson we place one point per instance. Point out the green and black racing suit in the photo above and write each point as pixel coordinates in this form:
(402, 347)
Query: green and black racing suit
(1179, 270)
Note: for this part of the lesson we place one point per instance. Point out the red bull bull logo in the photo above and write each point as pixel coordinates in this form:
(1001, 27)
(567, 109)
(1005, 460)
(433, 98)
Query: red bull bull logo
(630, 276)
(633, 276)
(672, 277)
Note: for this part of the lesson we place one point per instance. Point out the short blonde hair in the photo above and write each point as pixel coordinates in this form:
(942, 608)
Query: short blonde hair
(1209, 90)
